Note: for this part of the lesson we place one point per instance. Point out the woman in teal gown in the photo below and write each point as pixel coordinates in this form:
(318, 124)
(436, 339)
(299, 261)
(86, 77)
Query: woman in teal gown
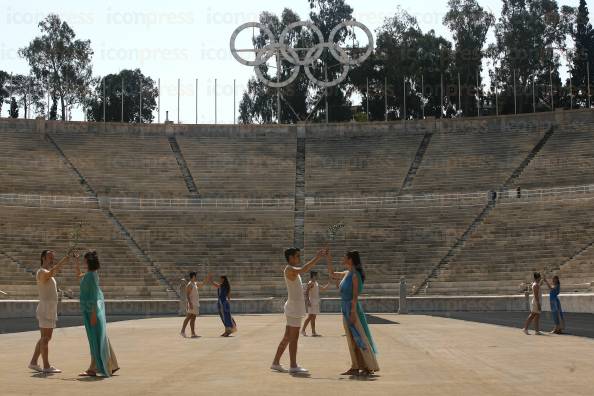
(359, 339)
(92, 305)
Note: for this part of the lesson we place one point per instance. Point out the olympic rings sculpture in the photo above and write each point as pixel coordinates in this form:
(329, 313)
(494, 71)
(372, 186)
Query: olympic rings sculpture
(283, 50)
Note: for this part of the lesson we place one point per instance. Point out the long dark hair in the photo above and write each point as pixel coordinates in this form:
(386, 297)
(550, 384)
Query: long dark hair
(226, 284)
(44, 255)
(357, 264)
(92, 260)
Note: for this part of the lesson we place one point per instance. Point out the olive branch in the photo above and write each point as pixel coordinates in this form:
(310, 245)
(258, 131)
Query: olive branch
(333, 230)
(75, 236)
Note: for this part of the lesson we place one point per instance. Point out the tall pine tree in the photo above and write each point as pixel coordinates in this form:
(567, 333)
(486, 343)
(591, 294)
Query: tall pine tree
(583, 35)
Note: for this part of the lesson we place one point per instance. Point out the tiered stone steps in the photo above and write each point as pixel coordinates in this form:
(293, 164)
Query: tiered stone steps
(29, 165)
(246, 246)
(516, 240)
(393, 243)
(480, 157)
(359, 162)
(25, 232)
(241, 165)
(122, 162)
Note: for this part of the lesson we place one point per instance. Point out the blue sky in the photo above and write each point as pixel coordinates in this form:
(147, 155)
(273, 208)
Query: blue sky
(181, 39)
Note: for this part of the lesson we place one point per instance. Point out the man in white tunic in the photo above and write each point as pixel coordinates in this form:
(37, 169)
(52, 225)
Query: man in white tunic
(47, 310)
(294, 308)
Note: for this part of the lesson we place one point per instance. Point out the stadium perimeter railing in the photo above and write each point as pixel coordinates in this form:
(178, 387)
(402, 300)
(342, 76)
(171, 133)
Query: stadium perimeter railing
(311, 203)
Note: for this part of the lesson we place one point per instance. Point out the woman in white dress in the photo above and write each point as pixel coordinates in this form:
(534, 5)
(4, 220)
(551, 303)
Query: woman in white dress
(312, 303)
(193, 304)
(535, 306)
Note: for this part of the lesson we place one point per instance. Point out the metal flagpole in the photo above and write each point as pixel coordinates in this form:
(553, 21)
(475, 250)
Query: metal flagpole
(552, 98)
(178, 88)
(367, 99)
(404, 100)
(27, 95)
(196, 101)
(140, 89)
(423, 95)
(234, 103)
(104, 99)
(496, 97)
(459, 94)
(11, 93)
(386, 98)
(570, 92)
(215, 100)
(278, 93)
(441, 91)
(159, 101)
(478, 95)
(515, 96)
(48, 99)
(327, 108)
(534, 94)
(588, 78)
(122, 99)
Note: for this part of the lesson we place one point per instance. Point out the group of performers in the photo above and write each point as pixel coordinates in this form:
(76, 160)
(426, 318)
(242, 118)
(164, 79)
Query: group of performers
(92, 306)
(103, 359)
(359, 339)
(536, 305)
(303, 300)
(190, 292)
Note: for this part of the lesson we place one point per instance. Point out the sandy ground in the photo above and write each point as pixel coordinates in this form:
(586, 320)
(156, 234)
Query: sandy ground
(419, 355)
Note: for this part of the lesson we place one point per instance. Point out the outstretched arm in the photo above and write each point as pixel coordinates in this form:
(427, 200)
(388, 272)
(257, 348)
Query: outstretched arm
(205, 282)
(331, 273)
(45, 276)
(294, 271)
(77, 271)
(215, 284)
(548, 283)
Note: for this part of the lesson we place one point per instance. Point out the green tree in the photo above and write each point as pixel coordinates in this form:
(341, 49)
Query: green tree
(4, 93)
(469, 24)
(301, 99)
(404, 53)
(132, 81)
(14, 108)
(530, 35)
(29, 94)
(326, 14)
(583, 36)
(259, 102)
(61, 60)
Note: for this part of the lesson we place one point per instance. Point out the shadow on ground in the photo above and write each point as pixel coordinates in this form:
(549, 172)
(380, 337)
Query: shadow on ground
(578, 324)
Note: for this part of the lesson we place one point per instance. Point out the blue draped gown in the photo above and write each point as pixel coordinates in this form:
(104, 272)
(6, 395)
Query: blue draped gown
(346, 296)
(91, 299)
(225, 310)
(556, 310)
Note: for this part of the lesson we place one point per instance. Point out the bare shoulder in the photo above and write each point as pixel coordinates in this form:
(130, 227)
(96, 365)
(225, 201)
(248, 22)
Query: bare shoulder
(290, 272)
(42, 274)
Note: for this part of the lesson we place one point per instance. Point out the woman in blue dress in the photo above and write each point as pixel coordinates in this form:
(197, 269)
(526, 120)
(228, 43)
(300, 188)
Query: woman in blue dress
(359, 339)
(92, 306)
(556, 310)
(224, 296)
